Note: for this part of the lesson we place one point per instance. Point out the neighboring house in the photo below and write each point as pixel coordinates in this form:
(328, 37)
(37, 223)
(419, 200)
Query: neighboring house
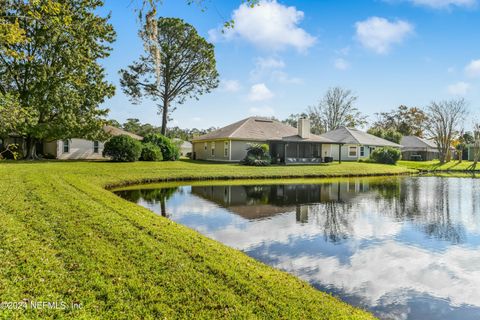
(73, 149)
(415, 148)
(471, 152)
(355, 143)
(288, 145)
(185, 147)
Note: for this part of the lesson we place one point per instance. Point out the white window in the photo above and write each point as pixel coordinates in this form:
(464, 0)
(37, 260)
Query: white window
(352, 151)
(66, 146)
(95, 146)
(225, 149)
(205, 146)
(362, 151)
(213, 149)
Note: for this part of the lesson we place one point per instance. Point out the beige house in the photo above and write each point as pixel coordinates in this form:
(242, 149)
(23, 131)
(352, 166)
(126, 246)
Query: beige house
(288, 145)
(184, 147)
(72, 149)
(356, 144)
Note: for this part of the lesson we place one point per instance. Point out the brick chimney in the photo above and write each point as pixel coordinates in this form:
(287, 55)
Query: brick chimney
(304, 128)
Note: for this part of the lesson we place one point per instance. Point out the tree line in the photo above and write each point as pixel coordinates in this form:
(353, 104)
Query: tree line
(134, 125)
(441, 121)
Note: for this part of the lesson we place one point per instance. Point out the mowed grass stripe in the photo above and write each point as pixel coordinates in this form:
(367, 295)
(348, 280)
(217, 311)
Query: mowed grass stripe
(66, 238)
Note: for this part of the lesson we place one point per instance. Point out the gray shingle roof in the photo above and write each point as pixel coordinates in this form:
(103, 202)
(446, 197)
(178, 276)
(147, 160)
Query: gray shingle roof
(414, 142)
(114, 131)
(354, 136)
(259, 129)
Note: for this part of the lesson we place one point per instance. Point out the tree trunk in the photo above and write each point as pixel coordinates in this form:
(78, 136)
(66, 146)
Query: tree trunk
(31, 149)
(164, 116)
(163, 207)
(441, 155)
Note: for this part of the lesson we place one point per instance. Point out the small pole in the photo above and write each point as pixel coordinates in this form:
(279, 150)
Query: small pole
(339, 153)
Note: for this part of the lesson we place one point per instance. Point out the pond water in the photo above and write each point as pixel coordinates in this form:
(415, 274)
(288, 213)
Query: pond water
(401, 247)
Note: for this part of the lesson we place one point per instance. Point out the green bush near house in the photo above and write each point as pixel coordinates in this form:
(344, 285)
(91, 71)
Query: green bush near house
(170, 150)
(151, 152)
(386, 155)
(257, 155)
(122, 148)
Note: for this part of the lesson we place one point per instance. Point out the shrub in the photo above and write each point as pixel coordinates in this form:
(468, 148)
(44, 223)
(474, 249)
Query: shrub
(387, 155)
(122, 149)
(151, 152)
(11, 152)
(170, 150)
(257, 155)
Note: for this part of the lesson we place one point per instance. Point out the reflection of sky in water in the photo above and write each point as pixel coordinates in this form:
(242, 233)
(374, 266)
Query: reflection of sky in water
(408, 249)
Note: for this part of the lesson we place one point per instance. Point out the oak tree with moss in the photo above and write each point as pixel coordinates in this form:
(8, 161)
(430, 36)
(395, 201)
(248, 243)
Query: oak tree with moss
(50, 65)
(187, 68)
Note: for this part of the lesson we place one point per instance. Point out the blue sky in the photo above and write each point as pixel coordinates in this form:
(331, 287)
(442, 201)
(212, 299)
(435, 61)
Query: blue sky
(283, 55)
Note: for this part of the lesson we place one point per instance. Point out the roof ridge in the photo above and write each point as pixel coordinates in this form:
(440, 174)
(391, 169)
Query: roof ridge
(350, 133)
(240, 126)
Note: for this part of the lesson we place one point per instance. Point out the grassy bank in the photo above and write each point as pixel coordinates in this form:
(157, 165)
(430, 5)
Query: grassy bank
(65, 238)
(435, 166)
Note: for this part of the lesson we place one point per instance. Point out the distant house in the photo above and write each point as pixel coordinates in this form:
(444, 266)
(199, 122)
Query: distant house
(355, 143)
(471, 152)
(288, 145)
(416, 148)
(72, 149)
(185, 147)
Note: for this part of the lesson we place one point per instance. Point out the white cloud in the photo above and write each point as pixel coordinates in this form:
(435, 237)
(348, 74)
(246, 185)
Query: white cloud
(390, 269)
(264, 66)
(344, 51)
(283, 77)
(444, 4)
(269, 25)
(379, 34)
(230, 86)
(269, 63)
(263, 111)
(459, 89)
(341, 64)
(260, 92)
(473, 68)
(214, 35)
(271, 68)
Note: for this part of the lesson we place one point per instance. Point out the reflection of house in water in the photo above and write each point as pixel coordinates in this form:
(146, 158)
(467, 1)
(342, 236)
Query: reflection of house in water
(262, 201)
(429, 204)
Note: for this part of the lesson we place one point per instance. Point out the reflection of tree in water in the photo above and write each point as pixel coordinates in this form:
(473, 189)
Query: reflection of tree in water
(439, 223)
(425, 202)
(431, 214)
(258, 194)
(151, 196)
(401, 199)
(389, 190)
(334, 218)
(337, 221)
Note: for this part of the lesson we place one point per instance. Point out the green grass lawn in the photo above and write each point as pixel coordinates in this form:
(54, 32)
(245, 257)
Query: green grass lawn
(65, 238)
(436, 166)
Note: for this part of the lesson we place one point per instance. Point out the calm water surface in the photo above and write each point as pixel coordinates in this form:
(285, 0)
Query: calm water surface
(403, 248)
